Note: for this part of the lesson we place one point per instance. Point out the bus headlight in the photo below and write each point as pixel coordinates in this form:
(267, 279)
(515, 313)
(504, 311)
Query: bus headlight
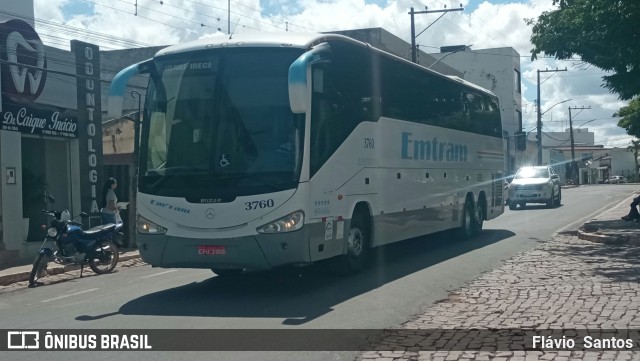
(145, 226)
(289, 223)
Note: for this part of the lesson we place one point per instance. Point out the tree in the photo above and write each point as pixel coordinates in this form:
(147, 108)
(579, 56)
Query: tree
(603, 33)
(635, 149)
(630, 118)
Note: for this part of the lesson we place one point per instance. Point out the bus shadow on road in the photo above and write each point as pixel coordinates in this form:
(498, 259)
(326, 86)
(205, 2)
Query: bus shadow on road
(302, 295)
(536, 207)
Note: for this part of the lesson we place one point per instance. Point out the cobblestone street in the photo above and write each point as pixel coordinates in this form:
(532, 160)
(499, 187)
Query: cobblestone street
(568, 283)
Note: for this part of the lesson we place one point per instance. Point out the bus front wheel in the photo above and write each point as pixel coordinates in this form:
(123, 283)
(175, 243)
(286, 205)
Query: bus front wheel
(358, 242)
(466, 228)
(479, 214)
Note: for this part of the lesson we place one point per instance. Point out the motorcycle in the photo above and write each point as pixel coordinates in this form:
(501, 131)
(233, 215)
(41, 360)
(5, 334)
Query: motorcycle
(95, 247)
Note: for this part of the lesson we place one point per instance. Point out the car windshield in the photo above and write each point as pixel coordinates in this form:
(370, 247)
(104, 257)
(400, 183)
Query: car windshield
(532, 173)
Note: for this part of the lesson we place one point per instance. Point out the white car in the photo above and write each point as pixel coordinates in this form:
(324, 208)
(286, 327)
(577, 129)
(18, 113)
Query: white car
(538, 184)
(616, 179)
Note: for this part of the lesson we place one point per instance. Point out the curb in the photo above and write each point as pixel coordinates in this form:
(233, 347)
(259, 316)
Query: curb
(607, 238)
(9, 279)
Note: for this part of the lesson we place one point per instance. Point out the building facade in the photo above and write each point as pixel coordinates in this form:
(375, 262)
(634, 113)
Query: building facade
(50, 134)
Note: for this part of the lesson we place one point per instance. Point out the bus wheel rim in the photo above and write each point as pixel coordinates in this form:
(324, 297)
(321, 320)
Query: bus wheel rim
(479, 214)
(356, 241)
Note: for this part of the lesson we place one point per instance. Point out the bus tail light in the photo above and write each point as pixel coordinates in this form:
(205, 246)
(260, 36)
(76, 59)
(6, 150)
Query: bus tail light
(145, 226)
(289, 223)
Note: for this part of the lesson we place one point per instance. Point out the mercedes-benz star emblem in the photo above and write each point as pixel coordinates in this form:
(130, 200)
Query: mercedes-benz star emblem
(211, 213)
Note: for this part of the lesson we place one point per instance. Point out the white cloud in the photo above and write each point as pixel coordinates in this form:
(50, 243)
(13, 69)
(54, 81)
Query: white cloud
(50, 10)
(489, 25)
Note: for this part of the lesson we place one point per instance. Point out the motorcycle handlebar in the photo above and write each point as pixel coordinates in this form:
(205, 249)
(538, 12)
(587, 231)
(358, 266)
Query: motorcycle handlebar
(77, 223)
(53, 214)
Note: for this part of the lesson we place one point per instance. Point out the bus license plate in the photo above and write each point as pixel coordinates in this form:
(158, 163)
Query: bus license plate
(212, 250)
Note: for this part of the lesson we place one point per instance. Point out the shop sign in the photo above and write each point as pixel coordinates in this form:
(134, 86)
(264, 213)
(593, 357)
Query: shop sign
(24, 62)
(35, 121)
(89, 125)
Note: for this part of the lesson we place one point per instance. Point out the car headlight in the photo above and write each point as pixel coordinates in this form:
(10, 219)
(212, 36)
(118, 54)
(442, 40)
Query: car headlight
(145, 226)
(52, 232)
(289, 223)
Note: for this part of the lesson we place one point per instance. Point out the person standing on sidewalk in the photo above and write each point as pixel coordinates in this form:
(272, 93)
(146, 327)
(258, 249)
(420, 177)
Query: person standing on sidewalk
(109, 211)
(633, 214)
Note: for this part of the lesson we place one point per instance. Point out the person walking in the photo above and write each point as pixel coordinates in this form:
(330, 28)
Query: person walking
(109, 211)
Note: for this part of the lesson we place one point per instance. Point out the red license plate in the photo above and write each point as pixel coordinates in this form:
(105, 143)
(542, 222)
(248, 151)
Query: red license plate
(212, 250)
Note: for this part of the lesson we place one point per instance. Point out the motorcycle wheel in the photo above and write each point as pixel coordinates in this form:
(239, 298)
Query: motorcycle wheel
(105, 257)
(39, 269)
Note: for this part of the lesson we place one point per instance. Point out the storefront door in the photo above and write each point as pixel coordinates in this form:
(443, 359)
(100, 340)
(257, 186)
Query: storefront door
(45, 170)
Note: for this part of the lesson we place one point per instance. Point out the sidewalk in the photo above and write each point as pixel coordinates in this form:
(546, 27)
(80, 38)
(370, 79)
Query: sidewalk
(19, 276)
(581, 280)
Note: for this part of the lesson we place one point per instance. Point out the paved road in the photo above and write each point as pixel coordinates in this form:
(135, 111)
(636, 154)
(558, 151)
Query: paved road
(405, 279)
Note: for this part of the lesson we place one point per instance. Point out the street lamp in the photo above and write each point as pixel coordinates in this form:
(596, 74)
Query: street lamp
(564, 101)
(453, 52)
(587, 122)
(539, 125)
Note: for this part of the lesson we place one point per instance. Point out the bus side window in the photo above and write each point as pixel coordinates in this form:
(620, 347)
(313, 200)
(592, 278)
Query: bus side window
(342, 98)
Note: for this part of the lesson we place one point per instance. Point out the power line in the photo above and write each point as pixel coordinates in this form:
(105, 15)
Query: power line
(163, 13)
(487, 23)
(47, 24)
(273, 17)
(234, 12)
(68, 61)
(139, 16)
(559, 140)
(215, 17)
(570, 75)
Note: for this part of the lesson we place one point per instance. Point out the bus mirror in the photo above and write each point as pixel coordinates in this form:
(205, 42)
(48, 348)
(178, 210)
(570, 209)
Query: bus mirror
(298, 84)
(298, 90)
(119, 86)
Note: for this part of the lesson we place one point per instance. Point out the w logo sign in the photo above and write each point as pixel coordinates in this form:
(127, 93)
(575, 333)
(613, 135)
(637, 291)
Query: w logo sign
(23, 73)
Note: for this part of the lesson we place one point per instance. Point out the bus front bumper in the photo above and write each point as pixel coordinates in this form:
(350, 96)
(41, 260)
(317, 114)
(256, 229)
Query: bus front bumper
(259, 252)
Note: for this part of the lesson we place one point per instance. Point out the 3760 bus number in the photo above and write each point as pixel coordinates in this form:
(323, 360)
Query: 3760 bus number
(268, 203)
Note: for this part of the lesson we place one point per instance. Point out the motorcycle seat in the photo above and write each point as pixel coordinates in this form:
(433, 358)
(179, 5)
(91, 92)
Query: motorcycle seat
(100, 229)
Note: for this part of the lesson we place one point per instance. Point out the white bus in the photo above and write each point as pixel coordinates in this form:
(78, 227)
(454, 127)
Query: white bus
(284, 149)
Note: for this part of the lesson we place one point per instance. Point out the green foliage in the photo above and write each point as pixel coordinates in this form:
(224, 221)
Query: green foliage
(603, 33)
(630, 118)
(635, 149)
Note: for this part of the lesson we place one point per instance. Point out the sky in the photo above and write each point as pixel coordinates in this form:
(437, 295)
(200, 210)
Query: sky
(484, 24)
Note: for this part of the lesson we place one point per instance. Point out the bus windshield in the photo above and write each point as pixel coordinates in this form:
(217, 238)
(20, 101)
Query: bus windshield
(218, 125)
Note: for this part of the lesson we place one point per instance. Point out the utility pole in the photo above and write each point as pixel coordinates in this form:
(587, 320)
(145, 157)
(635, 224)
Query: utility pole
(229, 17)
(574, 166)
(413, 27)
(539, 123)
